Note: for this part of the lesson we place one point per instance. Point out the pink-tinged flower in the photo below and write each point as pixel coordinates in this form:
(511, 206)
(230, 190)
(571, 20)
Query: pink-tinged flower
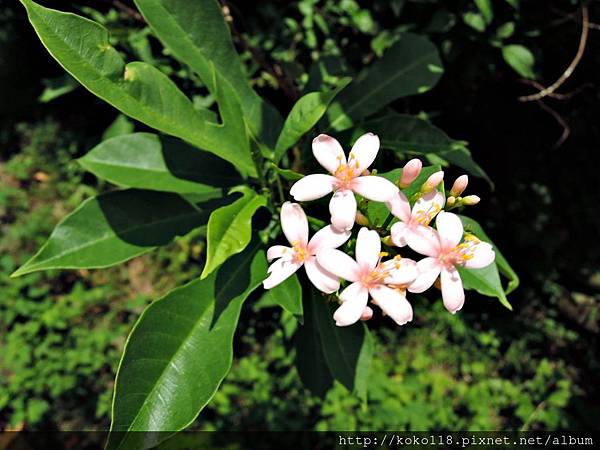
(445, 253)
(410, 172)
(347, 177)
(384, 281)
(422, 213)
(459, 186)
(302, 251)
(433, 181)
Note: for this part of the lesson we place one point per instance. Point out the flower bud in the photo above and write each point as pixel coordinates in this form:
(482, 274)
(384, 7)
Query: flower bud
(450, 201)
(433, 181)
(470, 200)
(459, 186)
(411, 170)
(367, 314)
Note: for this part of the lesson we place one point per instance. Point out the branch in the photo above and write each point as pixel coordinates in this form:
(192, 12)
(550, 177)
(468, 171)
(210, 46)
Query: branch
(567, 73)
(566, 128)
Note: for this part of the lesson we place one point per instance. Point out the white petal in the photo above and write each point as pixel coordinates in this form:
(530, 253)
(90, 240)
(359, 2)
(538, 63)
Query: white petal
(398, 233)
(483, 256)
(450, 230)
(429, 270)
(399, 206)
(327, 237)
(279, 271)
(401, 272)
(342, 207)
(294, 224)
(312, 187)
(328, 152)
(322, 279)
(374, 188)
(364, 151)
(427, 206)
(393, 303)
(354, 299)
(452, 290)
(423, 240)
(368, 247)
(339, 264)
(279, 251)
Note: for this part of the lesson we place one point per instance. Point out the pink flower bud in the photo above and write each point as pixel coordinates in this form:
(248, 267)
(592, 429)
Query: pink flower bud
(367, 314)
(433, 181)
(459, 186)
(411, 170)
(470, 200)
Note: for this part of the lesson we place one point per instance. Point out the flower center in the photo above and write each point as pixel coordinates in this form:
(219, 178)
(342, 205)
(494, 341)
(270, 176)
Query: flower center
(425, 216)
(345, 173)
(462, 253)
(300, 252)
(377, 275)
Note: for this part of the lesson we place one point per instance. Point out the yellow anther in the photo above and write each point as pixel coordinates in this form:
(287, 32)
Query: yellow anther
(383, 254)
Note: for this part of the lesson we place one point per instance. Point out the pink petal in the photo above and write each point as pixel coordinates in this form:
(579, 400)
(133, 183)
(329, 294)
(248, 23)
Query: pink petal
(450, 230)
(483, 256)
(339, 264)
(429, 270)
(279, 251)
(319, 277)
(354, 299)
(423, 240)
(428, 205)
(452, 290)
(312, 187)
(367, 314)
(279, 271)
(327, 237)
(393, 303)
(374, 188)
(364, 151)
(401, 272)
(398, 233)
(328, 152)
(294, 224)
(342, 207)
(399, 206)
(368, 247)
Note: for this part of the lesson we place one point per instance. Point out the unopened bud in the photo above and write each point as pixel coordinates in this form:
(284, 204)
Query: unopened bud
(411, 170)
(470, 200)
(361, 219)
(367, 314)
(450, 201)
(433, 181)
(459, 186)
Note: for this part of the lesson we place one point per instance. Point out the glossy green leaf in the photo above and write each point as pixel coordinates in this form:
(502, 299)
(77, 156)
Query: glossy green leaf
(520, 59)
(230, 229)
(310, 359)
(473, 226)
(486, 281)
(114, 227)
(287, 174)
(197, 34)
(304, 115)
(411, 66)
(179, 352)
(348, 351)
(288, 295)
(138, 89)
(147, 161)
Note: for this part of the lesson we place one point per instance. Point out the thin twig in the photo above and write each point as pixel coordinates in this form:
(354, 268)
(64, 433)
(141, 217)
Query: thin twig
(566, 129)
(567, 73)
(556, 95)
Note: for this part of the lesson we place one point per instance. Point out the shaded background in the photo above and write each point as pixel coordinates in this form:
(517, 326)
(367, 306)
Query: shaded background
(486, 368)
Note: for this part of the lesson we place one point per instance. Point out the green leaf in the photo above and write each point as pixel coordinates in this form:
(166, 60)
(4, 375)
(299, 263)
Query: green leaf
(120, 126)
(304, 115)
(114, 227)
(179, 352)
(197, 34)
(147, 161)
(503, 265)
(230, 229)
(310, 359)
(506, 30)
(475, 21)
(411, 66)
(485, 7)
(287, 174)
(139, 90)
(57, 87)
(486, 281)
(520, 59)
(288, 295)
(348, 351)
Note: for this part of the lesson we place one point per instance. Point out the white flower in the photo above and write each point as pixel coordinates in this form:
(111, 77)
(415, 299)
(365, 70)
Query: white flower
(303, 251)
(385, 281)
(347, 177)
(445, 253)
(423, 212)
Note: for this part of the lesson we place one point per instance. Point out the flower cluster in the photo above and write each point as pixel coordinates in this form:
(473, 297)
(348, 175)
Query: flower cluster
(386, 282)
